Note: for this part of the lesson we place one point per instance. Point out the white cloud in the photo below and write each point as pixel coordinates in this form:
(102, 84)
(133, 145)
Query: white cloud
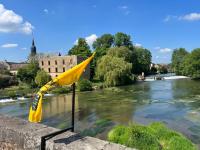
(138, 45)
(157, 48)
(91, 39)
(165, 50)
(12, 22)
(187, 17)
(46, 11)
(125, 9)
(170, 17)
(24, 48)
(9, 45)
(190, 17)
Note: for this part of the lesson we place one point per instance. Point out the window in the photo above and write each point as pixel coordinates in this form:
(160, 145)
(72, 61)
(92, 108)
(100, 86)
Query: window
(49, 62)
(63, 62)
(49, 69)
(42, 63)
(55, 62)
(56, 69)
(63, 69)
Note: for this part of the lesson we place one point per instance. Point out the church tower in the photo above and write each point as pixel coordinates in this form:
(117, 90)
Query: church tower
(33, 49)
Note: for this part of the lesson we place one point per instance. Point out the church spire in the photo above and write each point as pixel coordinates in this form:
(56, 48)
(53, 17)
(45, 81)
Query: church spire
(33, 48)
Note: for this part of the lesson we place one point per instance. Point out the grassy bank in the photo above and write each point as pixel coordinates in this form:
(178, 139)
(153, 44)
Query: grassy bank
(155, 136)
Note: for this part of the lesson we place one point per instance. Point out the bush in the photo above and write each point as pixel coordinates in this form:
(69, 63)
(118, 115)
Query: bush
(84, 85)
(42, 78)
(155, 136)
(6, 80)
(61, 90)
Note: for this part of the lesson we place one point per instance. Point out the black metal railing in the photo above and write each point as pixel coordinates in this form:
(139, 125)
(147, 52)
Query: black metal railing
(49, 136)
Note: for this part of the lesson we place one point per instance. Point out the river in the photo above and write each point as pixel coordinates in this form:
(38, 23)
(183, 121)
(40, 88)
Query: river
(174, 102)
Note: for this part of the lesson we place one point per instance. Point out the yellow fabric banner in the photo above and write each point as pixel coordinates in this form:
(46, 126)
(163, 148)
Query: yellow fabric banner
(68, 77)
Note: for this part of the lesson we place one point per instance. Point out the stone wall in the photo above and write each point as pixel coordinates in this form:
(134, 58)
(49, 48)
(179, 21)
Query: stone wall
(18, 134)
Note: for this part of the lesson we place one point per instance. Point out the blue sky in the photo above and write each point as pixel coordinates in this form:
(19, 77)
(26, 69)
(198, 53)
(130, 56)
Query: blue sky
(158, 25)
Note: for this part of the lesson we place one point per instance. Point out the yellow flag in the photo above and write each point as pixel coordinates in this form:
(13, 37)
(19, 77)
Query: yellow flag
(68, 77)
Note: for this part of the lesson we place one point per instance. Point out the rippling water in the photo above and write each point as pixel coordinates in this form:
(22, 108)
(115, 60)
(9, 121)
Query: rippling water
(174, 102)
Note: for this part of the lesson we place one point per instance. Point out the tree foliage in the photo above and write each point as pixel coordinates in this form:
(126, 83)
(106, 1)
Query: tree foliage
(80, 49)
(84, 85)
(102, 44)
(114, 71)
(178, 57)
(191, 64)
(28, 73)
(42, 78)
(122, 39)
(121, 52)
(7, 80)
(143, 61)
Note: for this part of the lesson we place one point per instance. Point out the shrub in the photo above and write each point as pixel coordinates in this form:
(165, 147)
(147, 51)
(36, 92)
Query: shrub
(84, 85)
(61, 90)
(6, 80)
(42, 78)
(152, 137)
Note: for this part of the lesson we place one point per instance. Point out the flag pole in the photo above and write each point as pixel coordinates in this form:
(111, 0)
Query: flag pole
(73, 105)
(48, 136)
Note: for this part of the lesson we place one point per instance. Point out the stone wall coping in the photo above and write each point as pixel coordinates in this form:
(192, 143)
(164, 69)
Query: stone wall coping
(16, 133)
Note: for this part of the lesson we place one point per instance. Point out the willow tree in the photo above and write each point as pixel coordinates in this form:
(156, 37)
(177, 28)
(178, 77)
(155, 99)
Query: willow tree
(114, 71)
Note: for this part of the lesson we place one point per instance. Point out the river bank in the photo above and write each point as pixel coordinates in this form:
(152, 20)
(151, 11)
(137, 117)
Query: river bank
(24, 92)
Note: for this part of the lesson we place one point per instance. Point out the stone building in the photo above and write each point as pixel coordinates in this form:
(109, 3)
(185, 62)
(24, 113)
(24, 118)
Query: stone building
(55, 65)
(11, 66)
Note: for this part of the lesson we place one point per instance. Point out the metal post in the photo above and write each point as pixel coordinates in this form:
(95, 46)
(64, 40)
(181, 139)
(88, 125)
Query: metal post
(73, 105)
(48, 136)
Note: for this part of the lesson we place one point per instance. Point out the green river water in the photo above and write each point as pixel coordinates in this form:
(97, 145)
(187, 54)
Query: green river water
(174, 102)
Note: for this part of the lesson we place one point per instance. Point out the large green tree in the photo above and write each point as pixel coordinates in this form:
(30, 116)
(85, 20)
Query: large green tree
(42, 78)
(28, 73)
(142, 60)
(80, 49)
(178, 57)
(191, 65)
(122, 39)
(114, 71)
(121, 52)
(102, 44)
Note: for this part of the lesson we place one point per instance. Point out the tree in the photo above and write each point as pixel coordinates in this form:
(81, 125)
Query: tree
(121, 52)
(143, 61)
(178, 57)
(122, 39)
(28, 73)
(102, 44)
(80, 49)
(42, 78)
(114, 71)
(191, 64)
(85, 85)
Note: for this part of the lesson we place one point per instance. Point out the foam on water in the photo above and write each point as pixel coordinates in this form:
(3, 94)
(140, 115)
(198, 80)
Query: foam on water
(7, 100)
(175, 77)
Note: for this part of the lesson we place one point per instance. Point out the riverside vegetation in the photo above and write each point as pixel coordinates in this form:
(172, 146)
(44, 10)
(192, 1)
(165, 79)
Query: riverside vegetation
(155, 136)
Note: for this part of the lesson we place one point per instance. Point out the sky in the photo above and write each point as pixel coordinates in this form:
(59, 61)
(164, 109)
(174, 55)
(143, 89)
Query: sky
(158, 25)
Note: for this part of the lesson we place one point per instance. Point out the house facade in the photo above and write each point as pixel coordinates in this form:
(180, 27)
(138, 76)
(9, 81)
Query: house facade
(55, 65)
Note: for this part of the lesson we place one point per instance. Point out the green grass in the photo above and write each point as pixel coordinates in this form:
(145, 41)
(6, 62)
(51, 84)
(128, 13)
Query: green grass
(155, 136)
